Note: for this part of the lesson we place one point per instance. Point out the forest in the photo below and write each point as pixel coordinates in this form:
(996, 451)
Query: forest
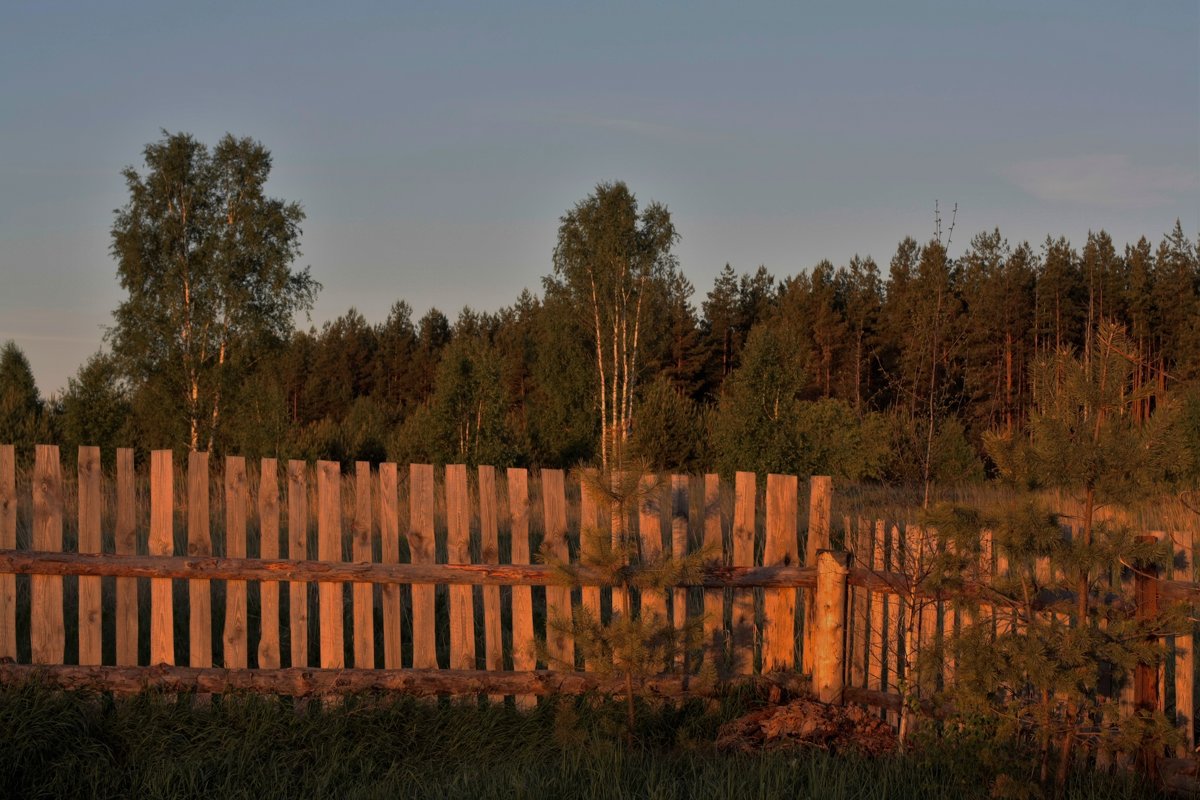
(887, 372)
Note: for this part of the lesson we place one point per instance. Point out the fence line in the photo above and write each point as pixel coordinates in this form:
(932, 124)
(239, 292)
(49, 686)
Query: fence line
(452, 604)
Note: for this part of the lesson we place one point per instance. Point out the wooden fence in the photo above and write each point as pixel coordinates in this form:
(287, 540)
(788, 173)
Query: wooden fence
(314, 583)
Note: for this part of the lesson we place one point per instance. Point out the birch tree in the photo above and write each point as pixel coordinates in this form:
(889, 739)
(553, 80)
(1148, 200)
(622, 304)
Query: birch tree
(610, 259)
(205, 256)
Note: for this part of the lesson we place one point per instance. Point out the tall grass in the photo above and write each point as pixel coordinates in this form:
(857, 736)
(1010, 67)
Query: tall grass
(65, 745)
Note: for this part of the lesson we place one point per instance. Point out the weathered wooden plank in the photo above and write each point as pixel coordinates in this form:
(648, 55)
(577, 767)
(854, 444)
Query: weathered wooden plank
(894, 643)
(47, 632)
(780, 548)
(329, 548)
(298, 550)
(389, 532)
(362, 593)
(650, 495)
(237, 496)
(268, 547)
(523, 657)
(559, 642)
(713, 576)
(593, 536)
(679, 550)
(125, 540)
(458, 551)
(859, 540)
(742, 635)
(162, 543)
(199, 533)
(714, 599)
(8, 540)
(321, 683)
(1185, 656)
(89, 478)
(421, 546)
(489, 541)
(879, 604)
(820, 516)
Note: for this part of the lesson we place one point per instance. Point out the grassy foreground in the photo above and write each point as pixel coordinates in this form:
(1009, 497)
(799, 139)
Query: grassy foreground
(64, 745)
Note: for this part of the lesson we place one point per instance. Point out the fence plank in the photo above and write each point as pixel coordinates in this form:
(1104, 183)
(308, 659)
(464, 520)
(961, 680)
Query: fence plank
(742, 651)
(126, 542)
(389, 533)
(895, 643)
(234, 638)
(8, 541)
(489, 541)
(458, 551)
(522, 596)
(820, 516)
(780, 547)
(679, 549)
(858, 657)
(593, 537)
(199, 533)
(329, 548)
(297, 550)
(1185, 657)
(560, 643)
(654, 601)
(714, 599)
(89, 477)
(46, 630)
(363, 593)
(879, 603)
(421, 546)
(268, 547)
(162, 543)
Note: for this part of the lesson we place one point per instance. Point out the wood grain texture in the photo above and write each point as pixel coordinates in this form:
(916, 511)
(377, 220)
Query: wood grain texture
(714, 599)
(593, 534)
(237, 497)
(742, 635)
(47, 633)
(199, 533)
(362, 593)
(650, 538)
(298, 551)
(268, 547)
(89, 484)
(329, 548)
(458, 551)
(879, 604)
(125, 537)
(679, 550)
(829, 634)
(1185, 656)
(559, 643)
(781, 547)
(421, 545)
(162, 543)
(8, 540)
(522, 596)
(389, 533)
(858, 534)
(820, 520)
(489, 551)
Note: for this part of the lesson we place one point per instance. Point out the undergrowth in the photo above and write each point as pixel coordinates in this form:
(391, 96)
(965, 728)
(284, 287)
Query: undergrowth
(59, 744)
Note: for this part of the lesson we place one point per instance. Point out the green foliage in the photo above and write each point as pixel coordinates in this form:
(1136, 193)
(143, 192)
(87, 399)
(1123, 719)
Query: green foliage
(204, 255)
(23, 421)
(668, 433)
(95, 408)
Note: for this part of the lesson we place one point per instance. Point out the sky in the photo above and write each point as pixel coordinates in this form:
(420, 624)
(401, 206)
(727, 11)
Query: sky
(434, 146)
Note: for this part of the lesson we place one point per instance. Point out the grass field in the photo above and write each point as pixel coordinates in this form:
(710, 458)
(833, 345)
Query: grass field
(63, 745)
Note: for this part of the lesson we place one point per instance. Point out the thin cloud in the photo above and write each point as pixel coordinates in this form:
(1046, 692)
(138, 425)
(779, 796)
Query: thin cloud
(1106, 180)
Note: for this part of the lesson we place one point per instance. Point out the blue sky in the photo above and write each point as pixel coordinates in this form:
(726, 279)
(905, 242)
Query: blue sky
(434, 145)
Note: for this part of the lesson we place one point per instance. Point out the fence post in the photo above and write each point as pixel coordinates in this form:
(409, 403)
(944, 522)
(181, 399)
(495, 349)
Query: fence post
(829, 631)
(820, 511)
(1145, 682)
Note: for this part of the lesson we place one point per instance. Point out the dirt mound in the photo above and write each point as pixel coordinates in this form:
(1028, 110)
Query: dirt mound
(807, 723)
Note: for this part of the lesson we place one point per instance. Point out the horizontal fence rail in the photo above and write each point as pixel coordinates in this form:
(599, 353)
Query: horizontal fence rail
(297, 580)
